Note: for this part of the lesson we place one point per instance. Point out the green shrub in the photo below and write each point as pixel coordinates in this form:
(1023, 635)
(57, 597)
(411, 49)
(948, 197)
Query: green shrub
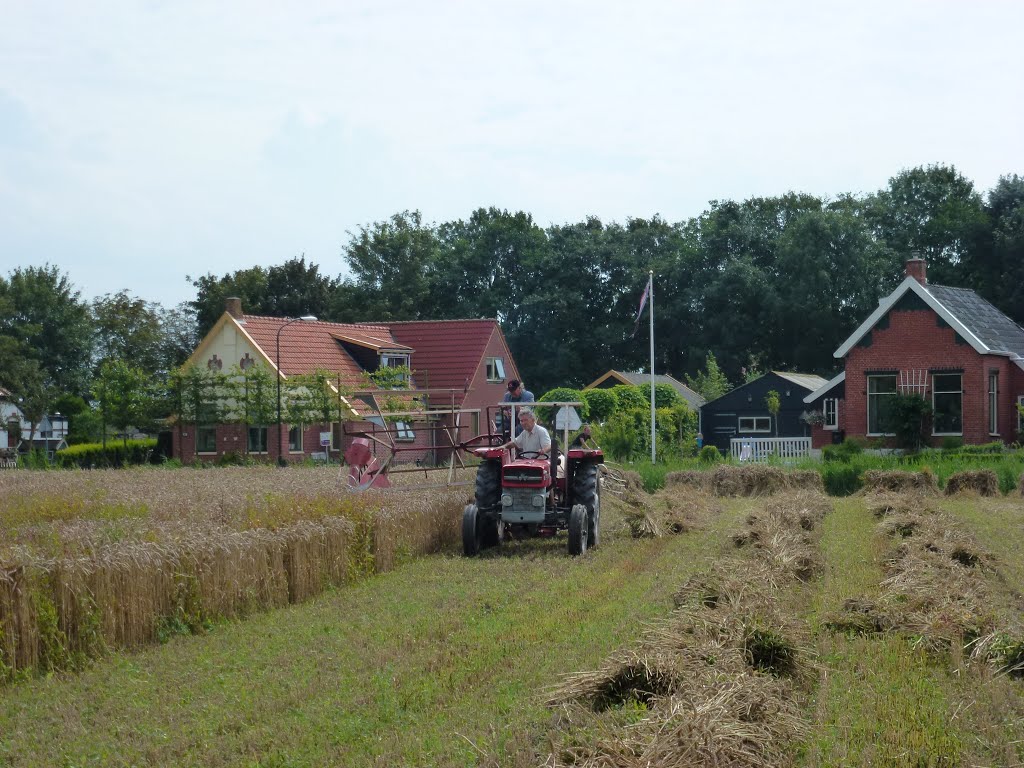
(910, 420)
(710, 454)
(116, 454)
(952, 443)
(843, 452)
(602, 403)
(561, 395)
(841, 478)
(631, 398)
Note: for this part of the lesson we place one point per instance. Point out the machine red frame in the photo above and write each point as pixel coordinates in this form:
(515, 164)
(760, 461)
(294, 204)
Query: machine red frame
(368, 470)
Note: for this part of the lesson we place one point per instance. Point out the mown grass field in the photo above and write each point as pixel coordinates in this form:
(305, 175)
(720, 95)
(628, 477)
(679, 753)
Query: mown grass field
(448, 661)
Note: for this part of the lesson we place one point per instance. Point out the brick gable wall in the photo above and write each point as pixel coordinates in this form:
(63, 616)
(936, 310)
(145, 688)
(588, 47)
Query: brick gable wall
(919, 340)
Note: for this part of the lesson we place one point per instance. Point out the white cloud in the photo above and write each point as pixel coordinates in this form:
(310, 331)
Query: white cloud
(141, 142)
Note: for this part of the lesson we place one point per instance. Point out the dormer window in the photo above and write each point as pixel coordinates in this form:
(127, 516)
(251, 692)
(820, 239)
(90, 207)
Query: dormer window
(393, 360)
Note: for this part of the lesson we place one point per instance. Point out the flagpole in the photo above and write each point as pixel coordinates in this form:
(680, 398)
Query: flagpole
(650, 286)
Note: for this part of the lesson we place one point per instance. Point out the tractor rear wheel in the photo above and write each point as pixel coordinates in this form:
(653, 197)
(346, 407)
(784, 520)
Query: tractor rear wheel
(472, 538)
(579, 530)
(587, 491)
(488, 484)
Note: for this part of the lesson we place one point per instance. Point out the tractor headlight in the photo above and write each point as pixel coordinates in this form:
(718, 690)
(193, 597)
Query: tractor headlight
(538, 500)
(506, 500)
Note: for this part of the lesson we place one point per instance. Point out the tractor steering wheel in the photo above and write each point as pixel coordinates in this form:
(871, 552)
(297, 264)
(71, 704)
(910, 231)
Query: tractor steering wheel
(533, 455)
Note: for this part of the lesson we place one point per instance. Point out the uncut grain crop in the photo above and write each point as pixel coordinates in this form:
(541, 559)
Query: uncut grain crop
(98, 560)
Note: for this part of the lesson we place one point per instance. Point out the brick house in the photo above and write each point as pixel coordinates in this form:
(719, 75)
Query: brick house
(455, 363)
(946, 344)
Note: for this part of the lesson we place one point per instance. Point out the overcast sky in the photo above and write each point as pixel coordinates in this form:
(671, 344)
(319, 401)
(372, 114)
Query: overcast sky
(141, 142)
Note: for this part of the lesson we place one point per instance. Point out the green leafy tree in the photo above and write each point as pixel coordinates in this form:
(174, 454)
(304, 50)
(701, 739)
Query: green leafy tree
(773, 403)
(315, 398)
(252, 395)
(198, 396)
(391, 263)
(250, 285)
(910, 419)
(42, 310)
(562, 395)
(711, 383)
(124, 395)
(601, 403)
(128, 328)
(630, 397)
(933, 211)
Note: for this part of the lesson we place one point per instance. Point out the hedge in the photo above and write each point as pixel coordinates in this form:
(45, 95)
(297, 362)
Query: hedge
(116, 454)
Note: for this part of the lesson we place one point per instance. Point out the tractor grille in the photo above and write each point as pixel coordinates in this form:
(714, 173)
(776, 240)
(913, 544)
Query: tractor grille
(522, 499)
(523, 475)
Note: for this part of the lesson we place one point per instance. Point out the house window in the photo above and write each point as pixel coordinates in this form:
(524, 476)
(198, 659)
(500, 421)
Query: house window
(755, 424)
(495, 369)
(947, 404)
(881, 391)
(392, 360)
(993, 403)
(206, 440)
(402, 430)
(831, 412)
(1020, 416)
(295, 438)
(258, 439)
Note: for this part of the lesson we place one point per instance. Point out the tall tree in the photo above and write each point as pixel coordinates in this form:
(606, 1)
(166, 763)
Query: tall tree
(296, 288)
(250, 285)
(124, 394)
(390, 262)
(933, 211)
(128, 328)
(42, 309)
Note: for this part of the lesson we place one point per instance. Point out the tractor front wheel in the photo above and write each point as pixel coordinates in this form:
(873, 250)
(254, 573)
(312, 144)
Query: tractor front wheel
(579, 530)
(472, 533)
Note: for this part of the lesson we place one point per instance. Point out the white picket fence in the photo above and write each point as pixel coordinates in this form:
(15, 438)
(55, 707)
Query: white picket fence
(760, 448)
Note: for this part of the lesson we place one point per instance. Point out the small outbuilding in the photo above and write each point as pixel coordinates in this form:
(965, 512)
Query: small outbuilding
(744, 412)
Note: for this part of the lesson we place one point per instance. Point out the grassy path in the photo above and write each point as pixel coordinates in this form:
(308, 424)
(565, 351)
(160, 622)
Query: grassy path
(881, 701)
(428, 665)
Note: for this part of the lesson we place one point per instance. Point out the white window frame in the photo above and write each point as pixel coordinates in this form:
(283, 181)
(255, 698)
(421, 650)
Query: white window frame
(495, 369)
(830, 407)
(993, 403)
(936, 391)
(753, 428)
(266, 438)
(393, 360)
(296, 446)
(205, 429)
(871, 394)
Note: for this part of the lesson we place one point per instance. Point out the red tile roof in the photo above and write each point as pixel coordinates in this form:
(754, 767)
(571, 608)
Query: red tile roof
(445, 353)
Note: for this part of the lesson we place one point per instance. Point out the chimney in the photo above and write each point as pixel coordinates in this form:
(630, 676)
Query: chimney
(233, 306)
(917, 268)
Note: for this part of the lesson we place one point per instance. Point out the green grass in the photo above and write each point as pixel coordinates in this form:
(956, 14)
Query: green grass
(414, 667)
(880, 700)
(446, 660)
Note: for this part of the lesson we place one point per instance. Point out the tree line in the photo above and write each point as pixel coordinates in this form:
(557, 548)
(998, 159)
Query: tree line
(766, 283)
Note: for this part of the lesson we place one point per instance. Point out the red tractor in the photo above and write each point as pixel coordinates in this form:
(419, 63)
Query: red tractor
(524, 496)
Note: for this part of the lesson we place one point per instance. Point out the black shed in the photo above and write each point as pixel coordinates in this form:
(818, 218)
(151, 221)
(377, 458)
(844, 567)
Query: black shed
(744, 413)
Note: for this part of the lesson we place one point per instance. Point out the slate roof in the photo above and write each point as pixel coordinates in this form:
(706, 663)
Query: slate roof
(994, 329)
(985, 328)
